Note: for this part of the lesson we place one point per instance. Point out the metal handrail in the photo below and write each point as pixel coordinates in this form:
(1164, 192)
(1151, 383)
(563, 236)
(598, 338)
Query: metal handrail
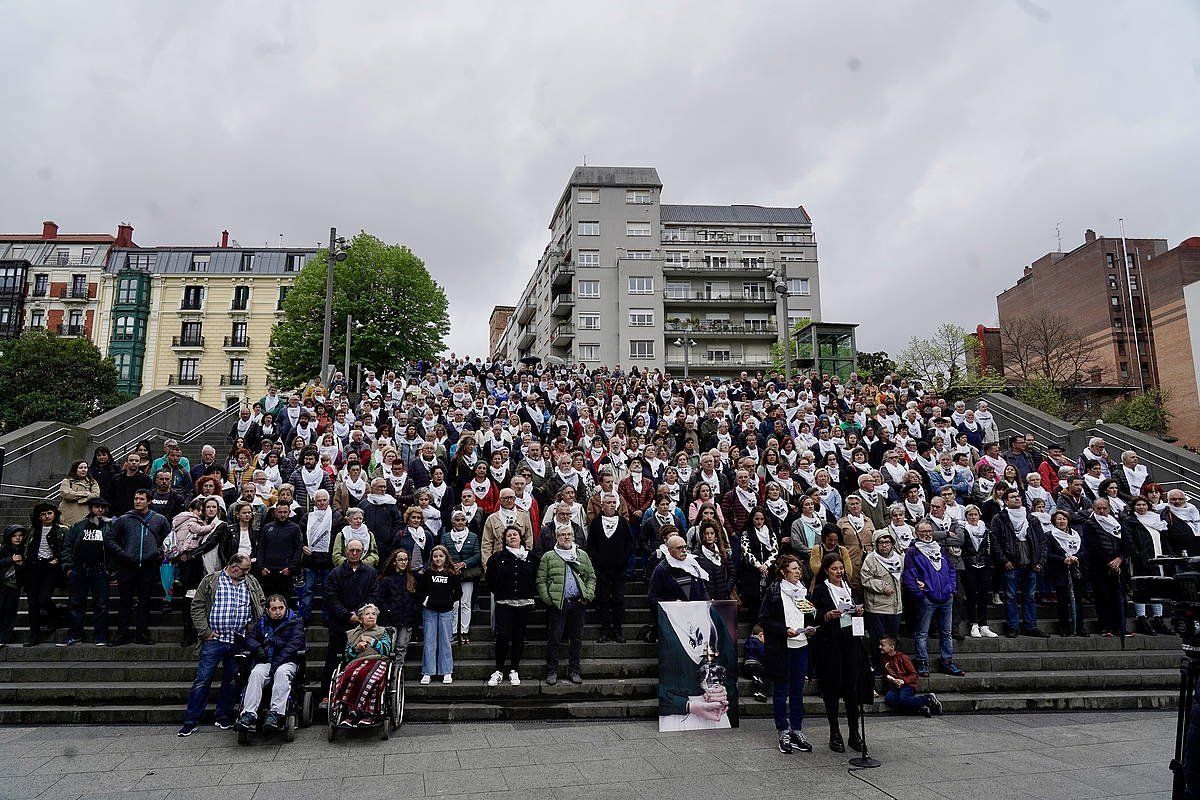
(1144, 456)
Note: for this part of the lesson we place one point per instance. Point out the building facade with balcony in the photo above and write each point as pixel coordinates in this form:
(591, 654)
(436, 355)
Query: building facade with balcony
(625, 277)
(195, 320)
(62, 278)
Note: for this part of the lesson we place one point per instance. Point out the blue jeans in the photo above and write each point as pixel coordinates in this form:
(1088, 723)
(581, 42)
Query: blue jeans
(905, 698)
(1020, 583)
(1139, 609)
(792, 689)
(927, 612)
(306, 591)
(436, 658)
(212, 653)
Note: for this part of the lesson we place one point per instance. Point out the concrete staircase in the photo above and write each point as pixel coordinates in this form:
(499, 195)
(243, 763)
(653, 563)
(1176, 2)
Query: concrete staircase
(89, 684)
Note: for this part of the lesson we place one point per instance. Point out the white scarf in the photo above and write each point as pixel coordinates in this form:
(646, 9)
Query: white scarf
(243, 425)
(1152, 521)
(470, 511)
(1069, 540)
(793, 591)
(317, 529)
(480, 489)
(381, 500)
(570, 556)
(1020, 522)
(459, 538)
(1117, 504)
(1188, 513)
(437, 493)
(748, 499)
(418, 536)
(857, 522)
(932, 551)
(903, 534)
(1108, 524)
(894, 563)
(712, 555)
(688, 564)
(609, 525)
(839, 594)
(1135, 478)
(779, 508)
(520, 552)
(915, 510)
(498, 475)
(870, 498)
(312, 480)
(764, 536)
(361, 534)
(1092, 482)
(356, 488)
(896, 471)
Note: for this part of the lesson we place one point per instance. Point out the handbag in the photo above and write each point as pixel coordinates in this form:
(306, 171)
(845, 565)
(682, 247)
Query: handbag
(471, 573)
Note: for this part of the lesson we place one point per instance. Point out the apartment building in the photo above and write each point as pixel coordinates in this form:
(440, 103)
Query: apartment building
(1171, 282)
(51, 280)
(195, 320)
(627, 279)
(497, 322)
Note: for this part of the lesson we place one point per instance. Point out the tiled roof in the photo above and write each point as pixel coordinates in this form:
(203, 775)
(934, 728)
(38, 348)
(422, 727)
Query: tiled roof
(735, 215)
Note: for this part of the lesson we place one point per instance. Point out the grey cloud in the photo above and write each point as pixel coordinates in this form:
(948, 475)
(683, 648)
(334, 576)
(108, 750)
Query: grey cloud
(934, 145)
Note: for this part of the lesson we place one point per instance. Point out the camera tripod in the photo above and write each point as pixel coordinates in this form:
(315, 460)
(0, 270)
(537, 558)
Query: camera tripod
(1185, 766)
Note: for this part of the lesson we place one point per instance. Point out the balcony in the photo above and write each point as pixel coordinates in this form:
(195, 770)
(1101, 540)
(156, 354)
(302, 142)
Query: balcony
(563, 305)
(526, 312)
(10, 289)
(734, 363)
(717, 237)
(562, 273)
(65, 260)
(526, 339)
(72, 293)
(710, 330)
(737, 267)
(71, 330)
(237, 343)
(563, 333)
(187, 342)
(185, 380)
(233, 380)
(705, 298)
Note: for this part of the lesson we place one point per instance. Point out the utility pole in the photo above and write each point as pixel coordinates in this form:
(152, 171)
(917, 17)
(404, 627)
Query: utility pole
(349, 320)
(781, 320)
(326, 366)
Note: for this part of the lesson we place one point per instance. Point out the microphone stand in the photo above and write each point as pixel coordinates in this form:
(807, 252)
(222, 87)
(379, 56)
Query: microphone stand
(864, 760)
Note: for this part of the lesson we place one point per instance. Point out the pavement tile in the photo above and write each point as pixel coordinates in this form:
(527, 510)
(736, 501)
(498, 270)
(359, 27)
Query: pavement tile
(370, 787)
(74, 783)
(329, 789)
(213, 793)
(149, 794)
(20, 788)
(157, 759)
(465, 781)
(424, 762)
(543, 777)
(172, 777)
(15, 767)
(269, 772)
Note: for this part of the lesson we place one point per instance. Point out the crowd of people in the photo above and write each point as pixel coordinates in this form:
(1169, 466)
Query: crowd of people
(820, 506)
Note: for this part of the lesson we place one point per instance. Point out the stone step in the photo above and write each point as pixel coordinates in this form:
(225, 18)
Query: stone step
(953, 702)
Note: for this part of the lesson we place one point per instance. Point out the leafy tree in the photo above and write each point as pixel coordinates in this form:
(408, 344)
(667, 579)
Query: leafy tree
(46, 377)
(942, 360)
(389, 293)
(1043, 395)
(1145, 411)
(876, 365)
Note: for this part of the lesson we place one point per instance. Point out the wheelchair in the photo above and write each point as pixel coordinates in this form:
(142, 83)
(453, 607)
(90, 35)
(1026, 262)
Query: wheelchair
(392, 696)
(300, 705)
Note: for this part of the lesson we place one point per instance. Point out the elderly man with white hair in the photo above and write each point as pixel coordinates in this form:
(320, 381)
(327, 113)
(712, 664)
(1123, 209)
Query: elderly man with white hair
(987, 423)
(1131, 476)
(1095, 452)
(1183, 523)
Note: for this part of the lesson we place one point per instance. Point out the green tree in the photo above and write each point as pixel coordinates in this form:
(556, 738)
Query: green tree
(389, 293)
(1043, 395)
(943, 362)
(876, 365)
(1146, 412)
(46, 377)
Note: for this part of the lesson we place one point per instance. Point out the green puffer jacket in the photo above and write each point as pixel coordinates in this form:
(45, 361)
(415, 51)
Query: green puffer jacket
(552, 578)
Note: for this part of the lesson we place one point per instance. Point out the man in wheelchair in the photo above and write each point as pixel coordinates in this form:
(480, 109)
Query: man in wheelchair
(275, 647)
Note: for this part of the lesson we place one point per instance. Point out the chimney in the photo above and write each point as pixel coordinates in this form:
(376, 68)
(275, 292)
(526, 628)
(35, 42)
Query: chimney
(1028, 269)
(49, 230)
(124, 235)
(1089, 236)
(224, 238)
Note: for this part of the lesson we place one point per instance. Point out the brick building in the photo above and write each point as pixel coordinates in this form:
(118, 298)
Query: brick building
(497, 322)
(1171, 282)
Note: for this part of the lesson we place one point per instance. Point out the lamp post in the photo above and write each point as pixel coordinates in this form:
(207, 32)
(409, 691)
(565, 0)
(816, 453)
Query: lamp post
(781, 317)
(687, 343)
(337, 252)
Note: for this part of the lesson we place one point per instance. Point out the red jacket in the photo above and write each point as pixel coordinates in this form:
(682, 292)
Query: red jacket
(637, 502)
(900, 666)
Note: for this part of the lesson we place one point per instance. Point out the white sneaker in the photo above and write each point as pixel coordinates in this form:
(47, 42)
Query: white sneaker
(988, 632)
(447, 679)
(425, 680)
(513, 678)
(497, 676)
(975, 634)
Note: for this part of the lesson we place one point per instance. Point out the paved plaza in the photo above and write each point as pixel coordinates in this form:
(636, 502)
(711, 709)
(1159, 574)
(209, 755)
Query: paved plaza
(1061, 756)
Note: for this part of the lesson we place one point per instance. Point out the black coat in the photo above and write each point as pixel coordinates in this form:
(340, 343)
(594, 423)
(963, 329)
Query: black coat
(1005, 546)
(346, 591)
(510, 578)
(772, 620)
(842, 663)
(720, 578)
(1056, 571)
(1103, 547)
(397, 605)
(1142, 546)
(609, 553)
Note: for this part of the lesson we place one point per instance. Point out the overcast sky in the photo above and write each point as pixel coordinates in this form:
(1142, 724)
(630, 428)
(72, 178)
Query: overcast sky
(935, 145)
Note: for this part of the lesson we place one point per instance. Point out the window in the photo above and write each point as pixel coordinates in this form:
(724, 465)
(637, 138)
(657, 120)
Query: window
(79, 286)
(18, 251)
(674, 235)
(750, 237)
(62, 256)
(1129, 261)
(589, 228)
(641, 348)
(237, 369)
(756, 322)
(641, 317)
(587, 195)
(125, 329)
(589, 352)
(123, 363)
(189, 370)
(588, 258)
(589, 289)
(789, 236)
(1112, 281)
(678, 290)
(716, 261)
(1121, 348)
(238, 339)
(37, 319)
(639, 197)
(247, 264)
(86, 254)
(676, 258)
(753, 261)
(141, 261)
(295, 261)
(199, 262)
(283, 290)
(5, 314)
(798, 286)
(638, 255)
(637, 228)
(189, 333)
(718, 354)
(127, 291)
(1109, 260)
(41, 285)
(1117, 324)
(241, 298)
(1116, 301)
(1132, 282)
(641, 284)
(193, 298)
(589, 322)
(12, 279)
(75, 320)
(754, 291)
(803, 313)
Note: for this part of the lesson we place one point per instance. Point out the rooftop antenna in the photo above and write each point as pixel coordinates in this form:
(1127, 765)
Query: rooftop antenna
(585, 159)
(281, 241)
(1058, 229)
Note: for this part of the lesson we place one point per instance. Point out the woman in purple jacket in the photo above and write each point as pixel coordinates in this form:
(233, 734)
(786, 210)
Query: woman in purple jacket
(932, 580)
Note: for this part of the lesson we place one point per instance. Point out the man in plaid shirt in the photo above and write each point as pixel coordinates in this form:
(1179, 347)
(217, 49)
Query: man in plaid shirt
(224, 604)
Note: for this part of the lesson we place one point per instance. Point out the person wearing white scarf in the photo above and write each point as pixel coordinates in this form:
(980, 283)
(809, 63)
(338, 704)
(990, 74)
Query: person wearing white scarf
(1108, 555)
(1183, 520)
(932, 579)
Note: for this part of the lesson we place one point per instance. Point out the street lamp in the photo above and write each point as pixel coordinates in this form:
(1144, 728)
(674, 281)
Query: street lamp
(687, 343)
(337, 252)
(781, 317)
(354, 324)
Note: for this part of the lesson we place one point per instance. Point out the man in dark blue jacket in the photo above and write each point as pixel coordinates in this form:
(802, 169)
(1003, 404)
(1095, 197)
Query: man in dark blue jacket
(136, 549)
(274, 641)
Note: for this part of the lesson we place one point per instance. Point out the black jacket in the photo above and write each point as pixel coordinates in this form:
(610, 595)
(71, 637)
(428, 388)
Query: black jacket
(1005, 547)
(1056, 571)
(278, 546)
(609, 553)
(510, 578)
(774, 625)
(1142, 546)
(1103, 547)
(346, 591)
(122, 488)
(397, 605)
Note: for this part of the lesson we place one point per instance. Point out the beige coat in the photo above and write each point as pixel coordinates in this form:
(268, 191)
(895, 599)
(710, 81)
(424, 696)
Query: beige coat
(75, 493)
(875, 579)
(492, 540)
